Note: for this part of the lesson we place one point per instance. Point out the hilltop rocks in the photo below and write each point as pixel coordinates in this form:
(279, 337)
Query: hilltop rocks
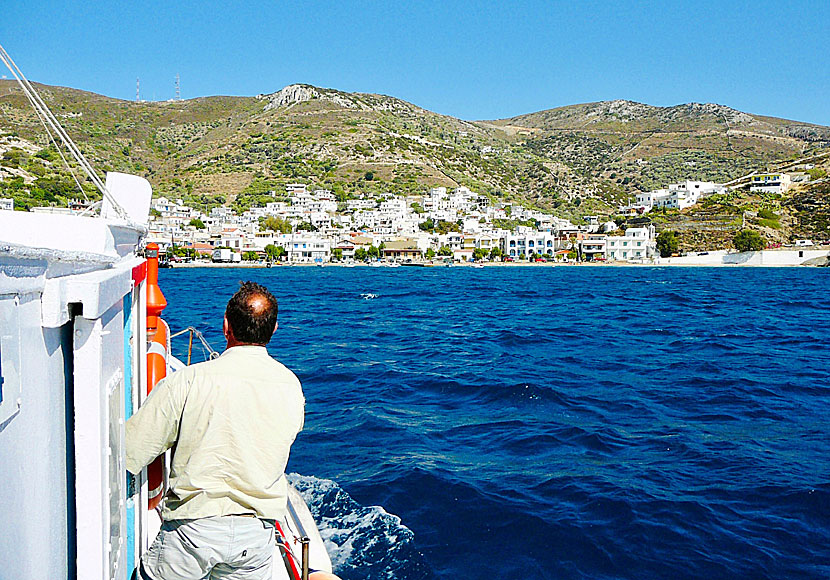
(619, 109)
(294, 94)
(707, 110)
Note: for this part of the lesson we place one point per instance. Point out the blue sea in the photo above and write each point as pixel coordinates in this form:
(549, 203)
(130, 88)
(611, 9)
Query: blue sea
(553, 422)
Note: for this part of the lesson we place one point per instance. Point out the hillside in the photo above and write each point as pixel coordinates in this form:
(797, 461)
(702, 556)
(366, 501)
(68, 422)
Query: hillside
(641, 147)
(574, 160)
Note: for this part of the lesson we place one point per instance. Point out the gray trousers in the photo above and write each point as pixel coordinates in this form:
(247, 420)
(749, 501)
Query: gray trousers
(226, 547)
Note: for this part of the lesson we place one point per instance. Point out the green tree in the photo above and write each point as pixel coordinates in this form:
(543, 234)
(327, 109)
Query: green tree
(48, 154)
(273, 252)
(445, 227)
(427, 226)
(306, 226)
(667, 243)
(817, 173)
(373, 252)
(444, 251)
(479, 254)
(360, 254)
(275, 224)
(417, 207)
(368, 176)
(337, 254)
(749, 241)
(495, 252)
(250, 256)
(13, 157)
(430, 253)
(197, 223)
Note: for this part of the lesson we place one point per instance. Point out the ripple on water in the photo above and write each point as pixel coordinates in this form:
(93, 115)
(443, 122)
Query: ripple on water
(555, 422)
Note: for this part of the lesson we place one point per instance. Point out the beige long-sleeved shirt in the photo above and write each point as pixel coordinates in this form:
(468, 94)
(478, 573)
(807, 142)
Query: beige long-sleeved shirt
(232, 421)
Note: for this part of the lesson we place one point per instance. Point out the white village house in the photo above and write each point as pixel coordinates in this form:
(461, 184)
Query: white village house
(770, 182)
(636, 245)
(676, 196)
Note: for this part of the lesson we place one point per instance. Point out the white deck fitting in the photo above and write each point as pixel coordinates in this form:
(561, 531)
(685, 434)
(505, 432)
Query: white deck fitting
(68, 235)
(71, 238)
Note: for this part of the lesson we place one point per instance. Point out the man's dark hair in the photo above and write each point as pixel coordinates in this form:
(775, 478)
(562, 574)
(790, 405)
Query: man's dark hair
(252, 313)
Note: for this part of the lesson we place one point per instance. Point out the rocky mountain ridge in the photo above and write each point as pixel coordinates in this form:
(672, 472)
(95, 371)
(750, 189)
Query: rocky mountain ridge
(575, 160)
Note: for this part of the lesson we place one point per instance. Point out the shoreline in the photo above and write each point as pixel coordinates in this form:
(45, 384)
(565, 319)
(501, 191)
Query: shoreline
(512, 265)
(714, 259)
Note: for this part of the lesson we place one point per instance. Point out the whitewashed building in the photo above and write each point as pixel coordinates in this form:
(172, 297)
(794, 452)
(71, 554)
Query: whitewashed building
(488, 241)
(292, 189)
(6, 203)
(320, 220)
(526, 241)
(677, 196)
(360, 204)
(306, 248)
(436, 200)
(636, 245)
(770, 182)
(593, 247)
(174, 212)
(222, 214)
(276, 208)
(232, 238)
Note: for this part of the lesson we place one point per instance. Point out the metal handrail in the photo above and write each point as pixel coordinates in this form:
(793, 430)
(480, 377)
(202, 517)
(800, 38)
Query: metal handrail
(304, 540)
(212, 353)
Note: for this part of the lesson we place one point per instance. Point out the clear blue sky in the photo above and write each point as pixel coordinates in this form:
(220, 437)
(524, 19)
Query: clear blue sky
(473, 60)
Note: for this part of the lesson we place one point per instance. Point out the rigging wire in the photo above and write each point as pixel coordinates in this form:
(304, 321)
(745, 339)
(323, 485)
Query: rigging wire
(48, 118)
(47, 129)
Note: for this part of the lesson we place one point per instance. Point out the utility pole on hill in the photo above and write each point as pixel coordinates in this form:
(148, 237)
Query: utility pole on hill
(137, 97)
(178, 89)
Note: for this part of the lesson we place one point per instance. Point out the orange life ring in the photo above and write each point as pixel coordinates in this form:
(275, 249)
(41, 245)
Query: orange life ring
(156, 360)
(156, 370)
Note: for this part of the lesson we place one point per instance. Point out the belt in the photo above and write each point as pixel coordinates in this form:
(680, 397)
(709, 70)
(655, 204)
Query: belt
(266, 520)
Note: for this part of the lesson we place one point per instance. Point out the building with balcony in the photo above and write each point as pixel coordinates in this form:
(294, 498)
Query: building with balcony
(676, 196)
(306, 248)
(770, 182)
(526, 241)
(593, 247)
(636, 245)
(403, 249)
